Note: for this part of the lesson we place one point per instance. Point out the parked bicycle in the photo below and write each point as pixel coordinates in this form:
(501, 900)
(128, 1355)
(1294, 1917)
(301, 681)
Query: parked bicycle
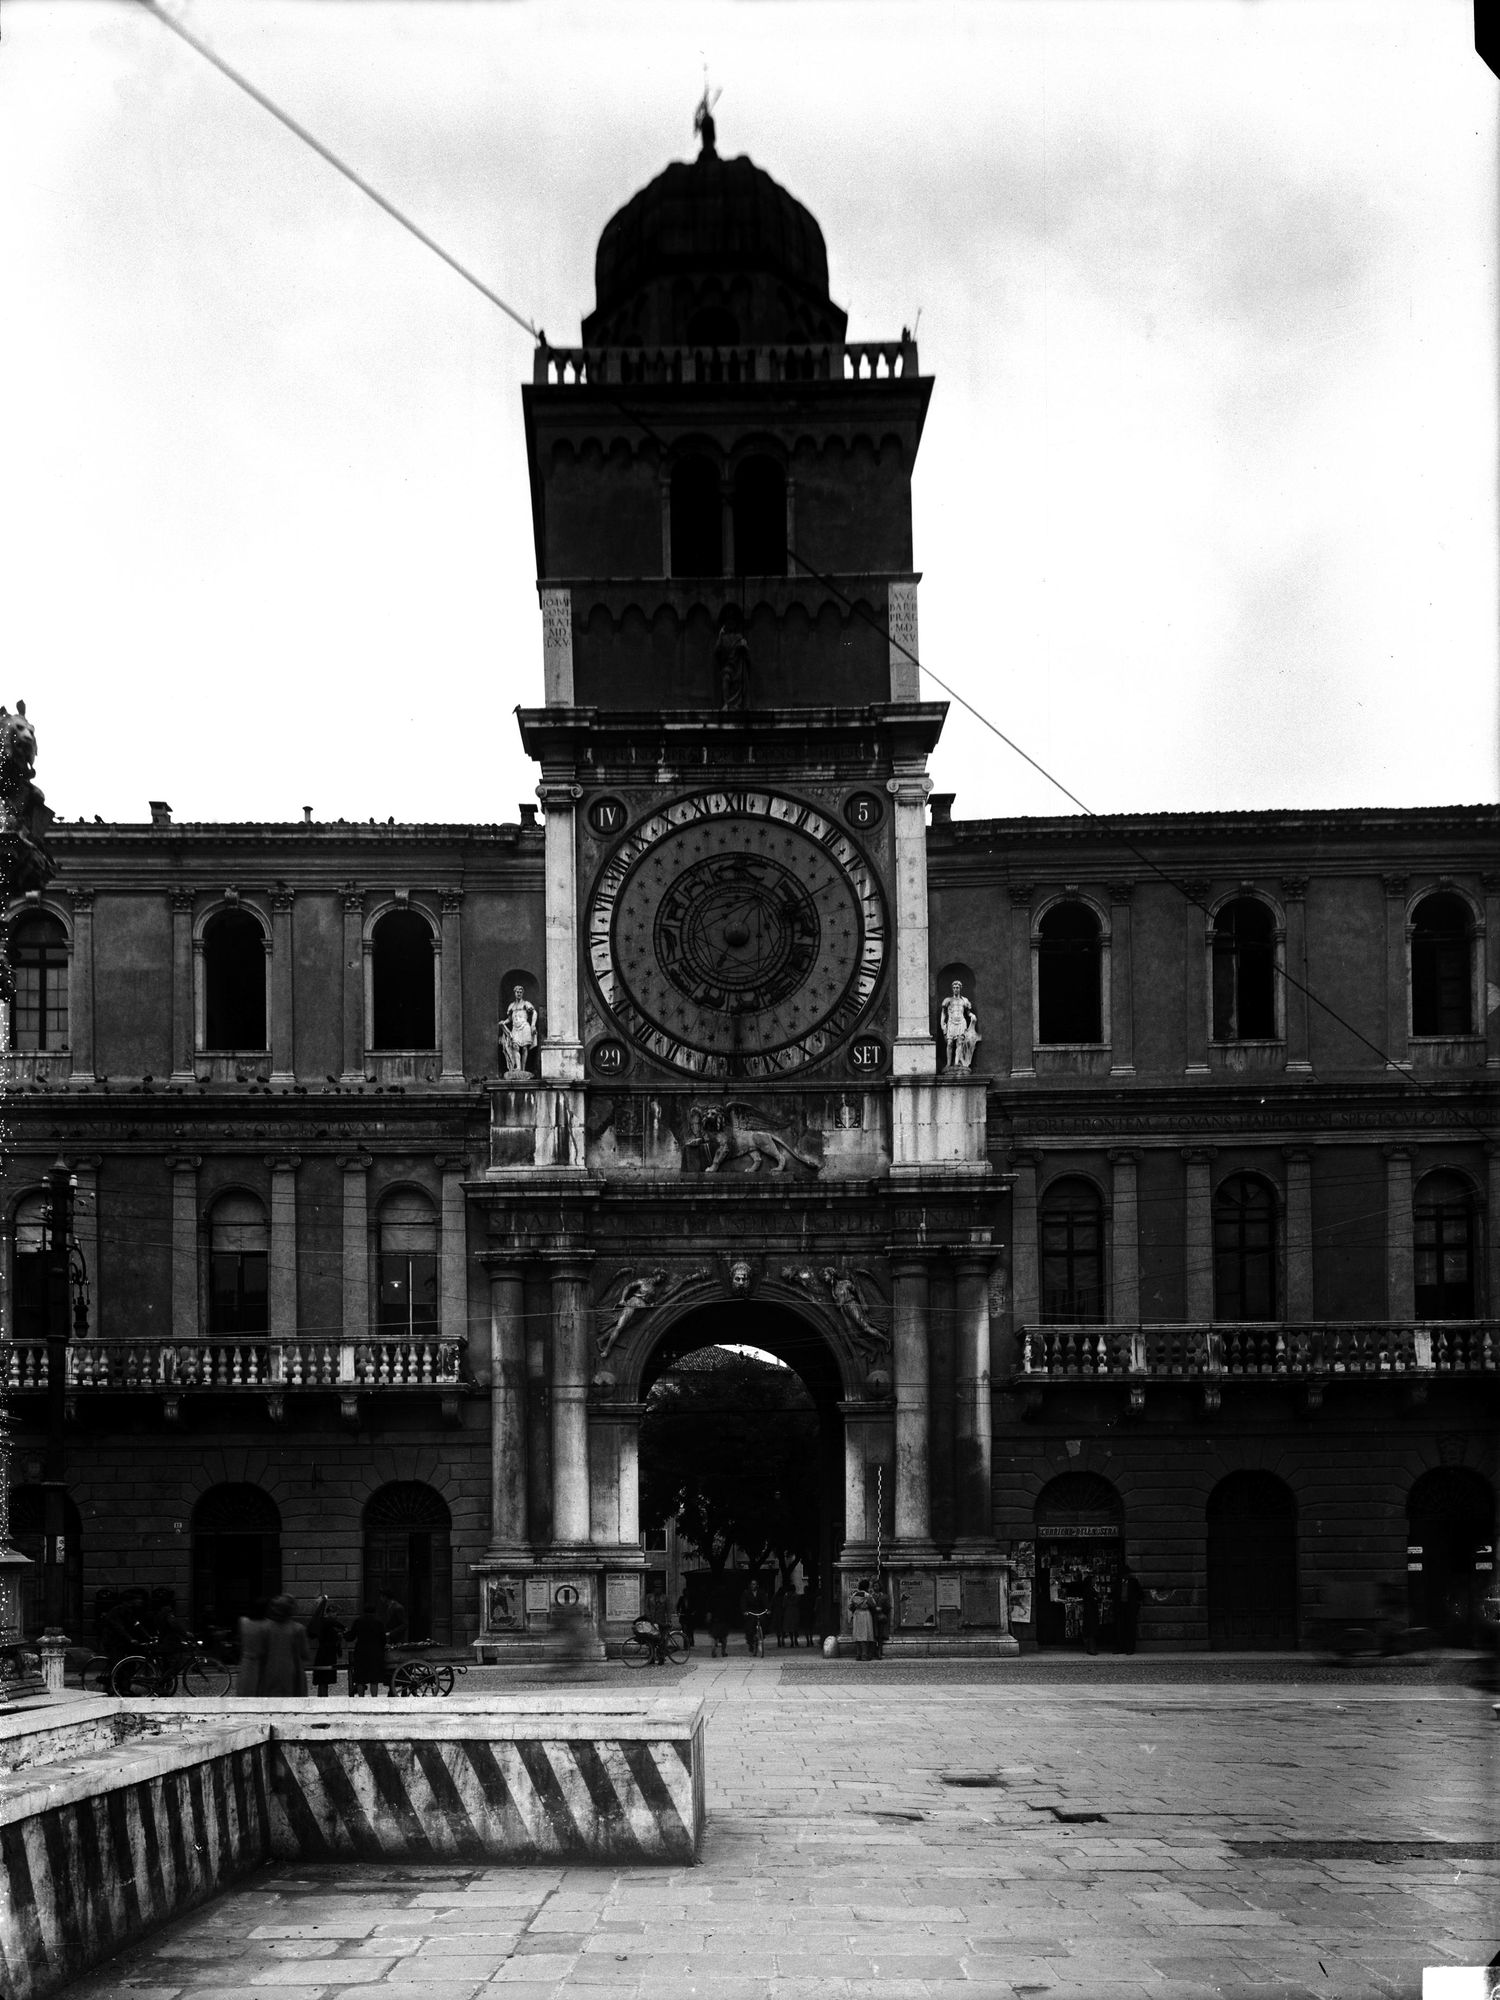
(164, 1670)
(651, 1645)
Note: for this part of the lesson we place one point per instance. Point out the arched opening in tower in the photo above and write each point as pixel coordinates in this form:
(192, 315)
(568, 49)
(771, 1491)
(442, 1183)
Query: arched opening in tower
(741, 1473)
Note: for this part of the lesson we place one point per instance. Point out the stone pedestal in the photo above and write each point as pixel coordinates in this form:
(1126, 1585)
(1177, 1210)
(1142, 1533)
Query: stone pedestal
(53, 1647)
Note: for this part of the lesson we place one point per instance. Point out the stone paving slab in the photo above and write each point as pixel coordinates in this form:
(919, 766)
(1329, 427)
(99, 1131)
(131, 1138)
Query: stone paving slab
(838, 1863)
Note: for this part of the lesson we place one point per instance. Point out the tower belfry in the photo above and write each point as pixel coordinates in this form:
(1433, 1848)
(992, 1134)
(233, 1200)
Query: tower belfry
(737, 1107)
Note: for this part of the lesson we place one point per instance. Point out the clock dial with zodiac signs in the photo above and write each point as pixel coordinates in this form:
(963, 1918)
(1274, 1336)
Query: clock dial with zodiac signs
(737, 933)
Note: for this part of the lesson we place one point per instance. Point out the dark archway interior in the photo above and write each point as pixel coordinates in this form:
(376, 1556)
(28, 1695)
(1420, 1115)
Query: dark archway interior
(776, 1330)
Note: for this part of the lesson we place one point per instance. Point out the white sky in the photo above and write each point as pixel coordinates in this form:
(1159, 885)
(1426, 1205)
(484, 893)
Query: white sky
(1206, 504)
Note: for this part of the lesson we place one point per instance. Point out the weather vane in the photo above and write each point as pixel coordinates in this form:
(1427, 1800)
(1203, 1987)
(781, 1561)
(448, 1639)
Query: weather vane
(703, 117)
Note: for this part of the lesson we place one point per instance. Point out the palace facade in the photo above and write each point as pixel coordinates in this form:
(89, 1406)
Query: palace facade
(1120, 1187)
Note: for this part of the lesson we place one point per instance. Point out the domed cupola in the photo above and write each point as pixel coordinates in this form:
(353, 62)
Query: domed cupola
(712, 253)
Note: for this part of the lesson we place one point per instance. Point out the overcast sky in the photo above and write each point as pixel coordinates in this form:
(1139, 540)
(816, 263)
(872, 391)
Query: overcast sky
(1206, 503)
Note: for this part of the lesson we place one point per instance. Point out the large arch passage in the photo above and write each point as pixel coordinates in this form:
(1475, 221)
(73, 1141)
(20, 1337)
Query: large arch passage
(1252, 1563)
(745, 1457)
(1450, 1551)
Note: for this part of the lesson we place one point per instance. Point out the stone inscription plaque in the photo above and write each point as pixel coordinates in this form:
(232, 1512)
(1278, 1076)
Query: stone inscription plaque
(902, 607)
(948, 1592)
(918, 1601)
(536, 1593)
(557, 645)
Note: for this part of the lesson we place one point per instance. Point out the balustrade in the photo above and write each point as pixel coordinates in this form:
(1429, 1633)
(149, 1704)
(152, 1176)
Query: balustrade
(792, 361)
(228, 1365)
(1260, 1349)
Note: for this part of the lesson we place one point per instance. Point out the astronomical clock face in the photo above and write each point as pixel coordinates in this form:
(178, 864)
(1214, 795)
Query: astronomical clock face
(737, 933)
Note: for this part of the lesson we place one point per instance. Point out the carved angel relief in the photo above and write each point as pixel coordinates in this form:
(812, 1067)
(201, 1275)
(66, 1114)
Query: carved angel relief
(640, 1296)
(870, 1343)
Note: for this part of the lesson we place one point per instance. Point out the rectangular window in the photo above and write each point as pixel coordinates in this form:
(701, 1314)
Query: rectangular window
(238, 1292)
(408, 1303)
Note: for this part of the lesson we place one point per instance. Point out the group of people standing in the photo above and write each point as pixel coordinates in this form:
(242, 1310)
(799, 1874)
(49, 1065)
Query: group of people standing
(279, 1655)
(788, 1615)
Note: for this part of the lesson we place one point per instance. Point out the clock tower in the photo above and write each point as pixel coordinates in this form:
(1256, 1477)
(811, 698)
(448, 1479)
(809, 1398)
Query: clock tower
(734, 1128)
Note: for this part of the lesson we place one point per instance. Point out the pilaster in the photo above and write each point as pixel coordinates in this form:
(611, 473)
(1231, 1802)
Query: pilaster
(185, 1037)
(184, 1171)
(1198, 1232)
(1195, 949)
(355, 1260)
(451, 994)
(1397, 1015)
(911, 1369)
(1022, 1021)
(352, 900)
(1400, 1280)
(1490, 1001)
(282, 1272)
(509, 1525)
(1124, 1241)
(1120, 1027)
(81, 988)
(562, 1051)
(1026, 1289)
(915, 1053)
(453, 1254)
(282, 1024)
(1295, 984)
(1299, 1236)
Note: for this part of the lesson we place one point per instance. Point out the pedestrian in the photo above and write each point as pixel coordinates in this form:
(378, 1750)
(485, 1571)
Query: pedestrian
(1128, 1612)
(811, 1622)
(718, 1625)
(1090, 1612)
(685, 1617)
(862, 1619)
(394, 1613)
(367, 1668)
(326, 1637)
(284, 1668)
(254, 1627)
(792, 1614)
(778, 1614)
(656, 1618)
(754, 1610)
(882, 1618)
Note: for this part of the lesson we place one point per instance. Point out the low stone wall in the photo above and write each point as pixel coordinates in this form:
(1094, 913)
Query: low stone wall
(107, 1838)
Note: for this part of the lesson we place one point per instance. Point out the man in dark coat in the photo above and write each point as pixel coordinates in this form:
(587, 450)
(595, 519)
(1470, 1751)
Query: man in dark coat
(367, 1668)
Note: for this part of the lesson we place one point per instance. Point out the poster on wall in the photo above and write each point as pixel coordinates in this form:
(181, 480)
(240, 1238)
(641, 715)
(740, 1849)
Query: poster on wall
(1020, 1600)
(981, 1600)
(918, 1598)
(502, 1604)
(536, 1593)
(1023, 1558)
(622, 1598)
(948, 1592)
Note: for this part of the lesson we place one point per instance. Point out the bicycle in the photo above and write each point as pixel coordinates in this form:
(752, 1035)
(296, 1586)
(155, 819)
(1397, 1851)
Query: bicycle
(755, 1632)
(157, 1671)
(654, 1646)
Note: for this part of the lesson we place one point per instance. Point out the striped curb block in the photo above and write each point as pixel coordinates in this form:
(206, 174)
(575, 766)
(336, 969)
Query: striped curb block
(102, 1844)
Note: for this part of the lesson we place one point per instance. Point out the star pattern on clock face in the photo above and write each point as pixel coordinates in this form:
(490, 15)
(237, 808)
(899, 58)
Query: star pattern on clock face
(737, 933)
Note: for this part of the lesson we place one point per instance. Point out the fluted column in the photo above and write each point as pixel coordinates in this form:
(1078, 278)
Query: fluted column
(353, 902)
(185, 1027)
(570, 1403)
(1400, 1275)
(1198, 1233)
(354, 1302)
(910, 1315)
(81, 987)
(1022, 1007)
(915, 1053)
(509, 1525)
(974, 1424)
(282, 1273)
(1120, 1027)
(282, 1023)
(1397, 1017)
(451, 1020)
(1194, 976)
(1124, 1241)
(1297, 1027)
(1299, 1236)
(184, 1171)
(562, 1051)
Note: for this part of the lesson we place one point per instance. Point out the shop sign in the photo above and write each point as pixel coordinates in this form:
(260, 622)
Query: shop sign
(1088, 1531)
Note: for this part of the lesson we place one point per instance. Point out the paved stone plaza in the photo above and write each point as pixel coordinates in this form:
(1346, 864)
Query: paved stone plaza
(1260, 1836)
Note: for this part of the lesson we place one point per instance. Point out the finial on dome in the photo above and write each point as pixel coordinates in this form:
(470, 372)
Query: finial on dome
(703, 118)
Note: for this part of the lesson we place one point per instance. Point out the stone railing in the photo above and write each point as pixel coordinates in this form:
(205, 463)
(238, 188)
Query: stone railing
(1260, 1349)
(19, 1066)
(792, 361)
(169, 1367)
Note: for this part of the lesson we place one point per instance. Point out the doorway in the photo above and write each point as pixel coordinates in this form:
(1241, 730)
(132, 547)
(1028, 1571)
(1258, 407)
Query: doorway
(1450, 1552)
(742, 1457)
(409, 1557)
(1252, 1564)
(1080, 1552)
(28, 1516)
(236, 1559)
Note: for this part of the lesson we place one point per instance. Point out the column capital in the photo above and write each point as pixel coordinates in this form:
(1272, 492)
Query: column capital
(1398, 1152)
(558, 795)
(1489, 881)
(909, 789)
(183, 1163)
(1294, 887)
(283, 1163)
(1197, 889)
(451, 1163)
(1297, 1155)
(1024, 1158)
(1020, 894)
(1120, 892)
(451, 901)
(354, 1163)
(567, 1266)
(352, 896)
(1200, 1156)
(282, 898)
(908, 1263)
(1122, 1156)
(82, 896)
(1394, 885)
(182, 901)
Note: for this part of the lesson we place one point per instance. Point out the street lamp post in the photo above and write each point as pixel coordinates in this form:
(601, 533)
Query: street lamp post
(60, 1186)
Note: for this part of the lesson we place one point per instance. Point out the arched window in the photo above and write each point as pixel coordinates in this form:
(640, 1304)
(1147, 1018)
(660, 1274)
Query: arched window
(39, 963)
(236, 1557)
(759, 518)
(1070, 1222)
(409, 1558)
(407, 1266)
(238, 1260)
(1244, 972)
(1252, 1563)
(404, 1007)
(234, 982)
(1069, 1007)
(1244, 1249)
(1443, 1229)
(28, 1269)
(697, 519)
(1441, 982)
